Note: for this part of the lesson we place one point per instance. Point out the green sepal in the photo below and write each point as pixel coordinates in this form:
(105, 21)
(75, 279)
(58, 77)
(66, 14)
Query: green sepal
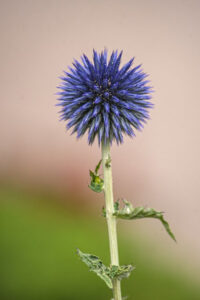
(129, 212)
(107, 274)
(97, 182)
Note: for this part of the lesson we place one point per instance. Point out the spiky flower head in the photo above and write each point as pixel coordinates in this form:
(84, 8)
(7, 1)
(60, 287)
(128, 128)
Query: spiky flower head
(104, 100)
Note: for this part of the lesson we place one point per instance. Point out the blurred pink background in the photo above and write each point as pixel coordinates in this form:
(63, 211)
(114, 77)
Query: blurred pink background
(161, 167)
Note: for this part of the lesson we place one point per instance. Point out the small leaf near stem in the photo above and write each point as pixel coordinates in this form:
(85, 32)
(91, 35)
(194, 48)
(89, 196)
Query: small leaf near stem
(121, 272)
(98, 167)
(129, 212)
(97, 182)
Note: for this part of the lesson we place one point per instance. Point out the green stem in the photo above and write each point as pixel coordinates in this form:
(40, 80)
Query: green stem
(111, 220)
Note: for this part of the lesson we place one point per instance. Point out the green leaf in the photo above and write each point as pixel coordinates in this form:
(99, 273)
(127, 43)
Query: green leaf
(95, 265)
(121, 272)
(98, 166)
(116, 206)
(129, 212)
(97, 182)
(107, 274)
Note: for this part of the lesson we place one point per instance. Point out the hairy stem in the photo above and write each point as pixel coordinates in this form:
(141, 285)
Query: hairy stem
(111, 220)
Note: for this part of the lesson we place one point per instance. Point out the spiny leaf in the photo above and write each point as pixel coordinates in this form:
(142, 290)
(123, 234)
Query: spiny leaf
(95, 265)
(107, 274)
(129, 212)
(97, 182)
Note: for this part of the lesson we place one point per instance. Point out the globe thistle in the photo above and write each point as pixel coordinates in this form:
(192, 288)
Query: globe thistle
(103, 99)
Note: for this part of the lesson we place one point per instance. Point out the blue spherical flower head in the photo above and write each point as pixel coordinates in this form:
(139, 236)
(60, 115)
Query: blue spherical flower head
(104, 100)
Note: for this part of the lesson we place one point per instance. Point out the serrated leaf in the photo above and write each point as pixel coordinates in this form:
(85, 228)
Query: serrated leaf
(95, 265)
(129, 212)
(107, 274)
(97, 182)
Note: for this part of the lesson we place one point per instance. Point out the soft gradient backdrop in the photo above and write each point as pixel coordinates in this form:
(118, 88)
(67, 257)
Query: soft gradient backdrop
(159, 168)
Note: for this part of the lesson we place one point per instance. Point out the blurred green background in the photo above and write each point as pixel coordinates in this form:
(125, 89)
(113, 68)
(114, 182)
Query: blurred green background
(39, 237)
